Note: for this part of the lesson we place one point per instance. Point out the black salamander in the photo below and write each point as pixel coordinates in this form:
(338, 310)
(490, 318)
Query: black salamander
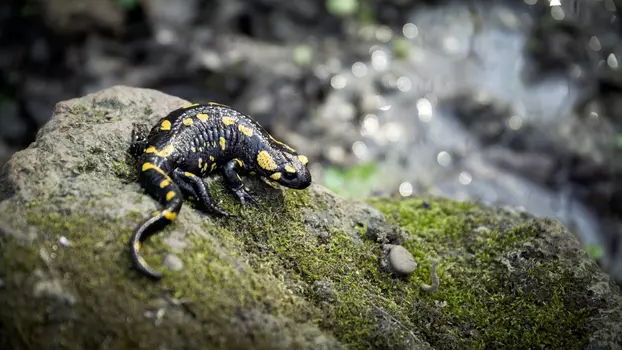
(195, 141)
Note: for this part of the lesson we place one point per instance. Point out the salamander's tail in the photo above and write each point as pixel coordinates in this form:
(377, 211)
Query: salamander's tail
(158, 185)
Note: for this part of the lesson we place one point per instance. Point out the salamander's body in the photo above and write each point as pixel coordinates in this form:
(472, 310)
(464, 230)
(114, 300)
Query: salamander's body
(194, 141)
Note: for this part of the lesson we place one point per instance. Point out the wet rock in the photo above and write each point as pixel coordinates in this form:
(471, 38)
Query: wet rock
(76, 182)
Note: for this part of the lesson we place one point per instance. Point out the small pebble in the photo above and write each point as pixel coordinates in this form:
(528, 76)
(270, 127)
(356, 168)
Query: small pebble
(64, 241)
(173, 262)
(402, 262)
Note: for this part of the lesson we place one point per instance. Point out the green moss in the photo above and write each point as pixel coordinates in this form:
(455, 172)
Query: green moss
(109, 104)
(275, 239)
(265, 260)
(485, 303)
(102, 111)
(125, 170)
(78, 109)
(89, 164)
(99, 265)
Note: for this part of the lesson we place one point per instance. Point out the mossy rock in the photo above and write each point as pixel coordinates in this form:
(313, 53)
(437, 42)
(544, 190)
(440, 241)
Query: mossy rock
(301, 270)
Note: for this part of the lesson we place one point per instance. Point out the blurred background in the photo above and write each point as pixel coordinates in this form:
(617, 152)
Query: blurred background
(515, 103)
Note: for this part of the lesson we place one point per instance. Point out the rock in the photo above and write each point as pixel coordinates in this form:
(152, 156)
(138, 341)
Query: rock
(173, 262)
(301, 270)
(402, 262)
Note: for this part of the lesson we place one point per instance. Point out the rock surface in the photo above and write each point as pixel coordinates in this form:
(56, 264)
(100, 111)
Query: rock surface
(302, 270)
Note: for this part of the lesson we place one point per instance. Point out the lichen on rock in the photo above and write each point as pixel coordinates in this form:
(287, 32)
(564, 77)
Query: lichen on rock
(301, 270)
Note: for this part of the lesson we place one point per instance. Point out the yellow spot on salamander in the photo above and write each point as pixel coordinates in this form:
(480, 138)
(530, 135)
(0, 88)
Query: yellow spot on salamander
(151, 150)
(239, 162)
(151, 166)
(170, 195)
(200, 149)
(275, 176)
(205, 167)
(189, 174)
(192, 105)
(211, 158)
(222, 142)
(147, 166)
(228, 120)
(165, 183)
(303, 159)
(166, 151)
(265, 161)
(239, 178)
(166, 125)
(213, 167)
(187, 121)
(200, 162)
(245, 130)
(193, 149)
(252, 173)
(202, 117)
(290, 169)
(169, 215)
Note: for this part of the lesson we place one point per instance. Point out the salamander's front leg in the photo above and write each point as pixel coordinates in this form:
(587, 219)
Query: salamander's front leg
(234, 182)
(193, 185)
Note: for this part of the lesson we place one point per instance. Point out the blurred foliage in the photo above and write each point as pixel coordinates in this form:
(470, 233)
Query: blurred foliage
(303, 55)
(354, 182)
(366, 14)
(401, 48)
(594, 250)
(127, 4)
(342, 8)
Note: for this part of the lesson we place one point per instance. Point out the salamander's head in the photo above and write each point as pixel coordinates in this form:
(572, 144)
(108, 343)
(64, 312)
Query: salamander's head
(287, 168)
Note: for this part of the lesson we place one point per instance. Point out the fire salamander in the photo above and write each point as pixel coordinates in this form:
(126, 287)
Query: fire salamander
(194, 141)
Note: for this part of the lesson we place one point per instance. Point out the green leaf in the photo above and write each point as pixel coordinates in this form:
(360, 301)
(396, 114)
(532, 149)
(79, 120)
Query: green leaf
(594, 250)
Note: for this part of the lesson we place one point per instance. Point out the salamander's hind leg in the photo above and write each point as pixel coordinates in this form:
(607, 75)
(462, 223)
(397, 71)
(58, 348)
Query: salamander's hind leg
(139, 139)
(195, 186)
(186, 186)
(234, 182)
